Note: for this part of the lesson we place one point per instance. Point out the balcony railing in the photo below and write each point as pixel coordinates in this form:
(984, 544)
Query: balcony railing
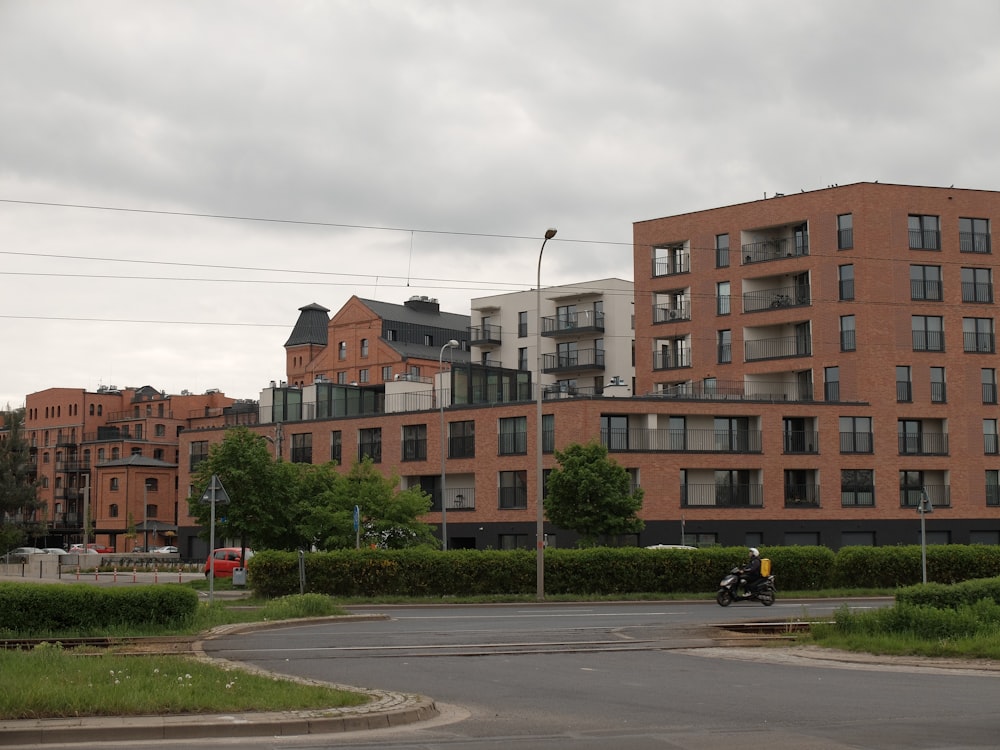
(775, 249)
(456, 498)
(678, 262)
(582, 321)
(666, 359)
(777, 297)
(487, 334)
(737, 390)
(722, 496)
(777, 348)
(643, 440)
(983, 343)
(977, 291)
(666, 313)
(974, 242)
(801, 441)
(802, 495)
(857, 442)
(938, 494)
(415, 449)
(513, 498)
(581, 359)
(924, 444)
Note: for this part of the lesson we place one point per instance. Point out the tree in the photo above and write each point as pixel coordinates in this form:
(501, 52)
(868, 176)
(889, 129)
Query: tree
(18, 499)
(591, 494)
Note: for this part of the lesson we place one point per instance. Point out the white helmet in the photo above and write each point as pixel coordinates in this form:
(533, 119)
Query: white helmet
(754, 552)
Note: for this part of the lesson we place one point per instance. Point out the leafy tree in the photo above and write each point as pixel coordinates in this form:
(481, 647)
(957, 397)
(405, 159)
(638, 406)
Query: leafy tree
(18, 499)
(591, 494)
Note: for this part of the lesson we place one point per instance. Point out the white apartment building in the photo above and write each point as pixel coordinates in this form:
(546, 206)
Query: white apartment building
(587, 336)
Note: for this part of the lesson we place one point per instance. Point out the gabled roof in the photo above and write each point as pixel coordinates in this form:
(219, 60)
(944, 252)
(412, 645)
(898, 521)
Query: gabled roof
(416, 316)
(311, 327)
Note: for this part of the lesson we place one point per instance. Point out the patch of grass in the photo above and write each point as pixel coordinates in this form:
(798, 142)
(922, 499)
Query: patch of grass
(51, 682)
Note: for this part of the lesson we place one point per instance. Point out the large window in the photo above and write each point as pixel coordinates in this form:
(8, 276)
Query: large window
(415, 442)
(614, 432)
(723, 295)
(336, 446)
(990, 437)
(977, 335)
(857, 487)
(522, 324)
(974, 235)
(548, 433)
(845, 278)
(988, 378)
(904, 384)
(302, 448)
(370, 444)
(848, 338)
(831, 383)
(939, 387)
(513, 490)
(925, 282)
(725, 346)
(513, 436)
(856, 435)
(925, 232)
(928, 333)
(977, 285)
(845, 231)
(722, 251)
(462, 439)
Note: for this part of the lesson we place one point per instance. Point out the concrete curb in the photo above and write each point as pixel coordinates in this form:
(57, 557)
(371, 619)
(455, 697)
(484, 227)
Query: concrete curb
(384, 710)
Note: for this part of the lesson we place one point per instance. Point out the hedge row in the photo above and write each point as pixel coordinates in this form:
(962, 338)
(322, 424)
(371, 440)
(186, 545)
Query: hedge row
(954, 596)
(27, 607)
(606, 570)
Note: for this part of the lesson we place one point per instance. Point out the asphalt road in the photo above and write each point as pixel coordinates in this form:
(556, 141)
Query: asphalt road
(560, 676)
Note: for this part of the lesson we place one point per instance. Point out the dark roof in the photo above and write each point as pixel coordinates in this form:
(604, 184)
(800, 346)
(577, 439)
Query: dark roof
(153, 463)
(421, 351)
(425, 314)
(311, 327)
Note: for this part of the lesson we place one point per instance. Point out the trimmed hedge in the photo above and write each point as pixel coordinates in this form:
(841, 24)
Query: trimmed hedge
(30, 607)
(605, 570)
(951, 596)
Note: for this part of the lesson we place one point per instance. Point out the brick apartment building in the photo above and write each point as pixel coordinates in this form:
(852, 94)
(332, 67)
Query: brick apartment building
(112, 454)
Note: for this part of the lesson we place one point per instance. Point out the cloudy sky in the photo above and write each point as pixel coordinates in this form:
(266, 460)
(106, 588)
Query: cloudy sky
(178, 178)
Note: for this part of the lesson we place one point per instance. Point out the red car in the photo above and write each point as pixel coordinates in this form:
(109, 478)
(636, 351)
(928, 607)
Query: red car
(226, 559)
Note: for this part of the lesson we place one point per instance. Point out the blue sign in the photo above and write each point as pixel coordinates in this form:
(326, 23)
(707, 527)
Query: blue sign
(357, 517)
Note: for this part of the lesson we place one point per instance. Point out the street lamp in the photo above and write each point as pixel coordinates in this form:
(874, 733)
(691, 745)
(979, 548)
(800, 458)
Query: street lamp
(540, 519)
(145, 515)
(444, 509)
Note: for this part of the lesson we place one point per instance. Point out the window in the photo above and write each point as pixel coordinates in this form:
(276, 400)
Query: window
(152, 484)
(974, 235)
(114, 485)
(990, 437)
(415, 442)
(113, 510)
(342, 377)
(977, 285)
(391, 334)
(845, 276)
(911, 488)
(988, 377)
(928, 333)
(513, 491)
(428, 340)
(857, 487)
(336, 446)
(512, 541)
(522, 324)
(845, 231)
(614, 432)
(848, 339)
(387, 373)
(722, 251)
(363, 375)
(522, 358)
(831, 383)
(977, 335)
(725, 346)
(670, 260)
(856, 435)
(732, 434)
(939, 391)
(723, 296)
(199, 452)
(462, 439)
(364, 347)
(925, 232)
(342, 350)
(904, 385)
(152, 510)
(302, 448)
(993, 487)
(513, 436)
(160, 430)
(370, 444)
(567, 354)
(925, 282)
(548, 433)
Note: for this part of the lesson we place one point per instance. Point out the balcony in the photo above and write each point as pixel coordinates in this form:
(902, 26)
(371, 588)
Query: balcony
(779, 347)
(938, 494)
(72, 467)
(722, 496)
(923, 444)
(665, 313)
(485, 335)
(801, 441)
(974, 242)
(643, 440)
(802, 495)
(574, 361)
(456, 499)
(569, 324)
(667, 359)
(763, 251)
(777, 297)
(737, 390)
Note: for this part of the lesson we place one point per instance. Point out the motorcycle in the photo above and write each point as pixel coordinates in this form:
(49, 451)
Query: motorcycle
(762, 591)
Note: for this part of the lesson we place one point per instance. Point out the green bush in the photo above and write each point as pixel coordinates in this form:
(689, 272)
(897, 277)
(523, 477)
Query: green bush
(28, 608)
(951, 596)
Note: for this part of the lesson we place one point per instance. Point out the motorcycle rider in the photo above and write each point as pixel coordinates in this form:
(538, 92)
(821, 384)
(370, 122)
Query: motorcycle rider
(750, 573)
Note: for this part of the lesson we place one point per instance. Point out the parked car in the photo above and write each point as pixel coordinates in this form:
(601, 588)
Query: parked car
(55, 551)
(20, 554)
(168, 550)
(78, 548)
(226, 559)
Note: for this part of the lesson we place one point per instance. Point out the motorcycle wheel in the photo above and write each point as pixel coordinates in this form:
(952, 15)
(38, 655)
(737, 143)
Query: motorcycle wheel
(766, 597)
(724, 598)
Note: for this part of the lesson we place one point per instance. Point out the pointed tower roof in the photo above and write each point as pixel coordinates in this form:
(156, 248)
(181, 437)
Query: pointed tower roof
(310, 328)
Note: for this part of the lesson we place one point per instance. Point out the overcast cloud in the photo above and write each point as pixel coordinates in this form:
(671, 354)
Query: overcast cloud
(424, 146)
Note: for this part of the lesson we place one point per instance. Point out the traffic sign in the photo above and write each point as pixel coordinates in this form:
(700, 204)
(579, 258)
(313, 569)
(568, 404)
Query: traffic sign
(215, 492)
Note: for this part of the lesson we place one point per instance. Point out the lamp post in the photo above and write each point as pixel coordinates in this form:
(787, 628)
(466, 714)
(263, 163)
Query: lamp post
(145, 516)
(444, 509)
(540, 513)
